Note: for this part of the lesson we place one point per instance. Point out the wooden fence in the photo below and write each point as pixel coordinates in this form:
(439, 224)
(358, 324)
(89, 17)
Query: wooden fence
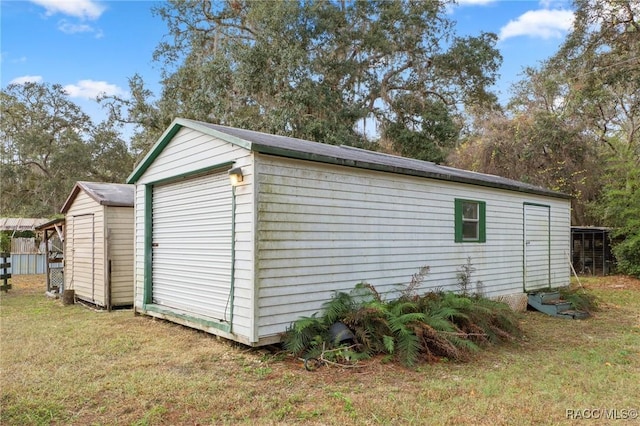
(5, 264)
(26, 246)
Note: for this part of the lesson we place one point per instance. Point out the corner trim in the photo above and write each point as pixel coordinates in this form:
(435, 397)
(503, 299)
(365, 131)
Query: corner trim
(148, 240)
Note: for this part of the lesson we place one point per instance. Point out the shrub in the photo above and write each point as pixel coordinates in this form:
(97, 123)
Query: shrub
(627, 253)
(5, 243)
(580, 299)
(411, 328)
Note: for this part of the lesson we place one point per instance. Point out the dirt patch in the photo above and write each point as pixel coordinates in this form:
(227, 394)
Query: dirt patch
(28, 284)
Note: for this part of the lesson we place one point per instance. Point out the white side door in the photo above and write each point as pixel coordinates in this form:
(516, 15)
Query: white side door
(537, 267)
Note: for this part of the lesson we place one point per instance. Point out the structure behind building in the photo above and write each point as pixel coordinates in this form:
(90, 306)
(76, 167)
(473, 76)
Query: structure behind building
(591, 250)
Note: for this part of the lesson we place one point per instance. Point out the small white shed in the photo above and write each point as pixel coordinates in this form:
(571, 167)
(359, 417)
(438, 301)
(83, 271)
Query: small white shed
(99, 239)
(304, 219)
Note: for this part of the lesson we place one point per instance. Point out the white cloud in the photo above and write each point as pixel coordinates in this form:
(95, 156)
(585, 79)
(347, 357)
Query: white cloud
(542, 23)
(5, 57)
(89, 89)
(26, 79)
(83, 9)
(71, 28)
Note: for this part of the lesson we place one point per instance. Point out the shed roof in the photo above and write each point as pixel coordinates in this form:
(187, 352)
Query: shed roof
(333, 154)
(51, 224)
(589, 229)
(20, 223)
(106, 194)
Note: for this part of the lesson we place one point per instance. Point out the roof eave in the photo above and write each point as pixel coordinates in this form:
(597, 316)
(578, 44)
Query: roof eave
(74, 192)
(155, 150)
(50, 224)
(115, 204)
(264, 149)
(178, 123)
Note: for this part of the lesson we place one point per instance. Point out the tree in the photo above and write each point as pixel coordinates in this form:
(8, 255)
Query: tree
(620, 208)
(324, 71)
(111, 160)
(48, 144)
(603, 56)
(537, 147)
(146, 118)
(585, 102)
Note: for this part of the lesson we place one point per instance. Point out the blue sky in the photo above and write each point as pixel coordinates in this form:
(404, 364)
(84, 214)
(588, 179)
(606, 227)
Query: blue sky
(92, 47)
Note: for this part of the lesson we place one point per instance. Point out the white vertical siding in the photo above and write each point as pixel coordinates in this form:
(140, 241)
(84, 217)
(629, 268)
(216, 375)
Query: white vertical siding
(189, 151)
(84, 270)
(322, 228)
(120, 237)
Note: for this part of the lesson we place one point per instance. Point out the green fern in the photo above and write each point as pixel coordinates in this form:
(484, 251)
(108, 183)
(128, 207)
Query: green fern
(300, 335)
(389, 344)
(462, 342)
(449, 312)
(369, 324)
(429, 327)
(408, 348)
(440, 323)
(403, 320)
(336, 308)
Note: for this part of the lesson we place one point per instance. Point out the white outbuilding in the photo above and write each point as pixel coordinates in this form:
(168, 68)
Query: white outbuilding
(240, 233)
(99, 227)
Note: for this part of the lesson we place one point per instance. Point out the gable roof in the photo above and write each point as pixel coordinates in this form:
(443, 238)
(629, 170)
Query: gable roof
(333, 154)
(106, 194)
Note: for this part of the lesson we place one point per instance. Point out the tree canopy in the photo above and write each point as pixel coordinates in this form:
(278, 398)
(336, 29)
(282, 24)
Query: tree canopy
(388, 75)
(338, 72)
(48, 144)
(573, 124)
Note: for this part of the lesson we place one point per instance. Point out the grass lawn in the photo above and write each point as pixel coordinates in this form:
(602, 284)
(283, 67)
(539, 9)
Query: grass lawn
(72, 365)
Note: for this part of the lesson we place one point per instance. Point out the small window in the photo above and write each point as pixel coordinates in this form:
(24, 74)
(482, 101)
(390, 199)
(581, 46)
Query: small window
(470, 221)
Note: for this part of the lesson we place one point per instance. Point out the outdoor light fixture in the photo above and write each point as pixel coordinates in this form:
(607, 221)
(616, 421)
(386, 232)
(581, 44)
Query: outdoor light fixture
(235, 175)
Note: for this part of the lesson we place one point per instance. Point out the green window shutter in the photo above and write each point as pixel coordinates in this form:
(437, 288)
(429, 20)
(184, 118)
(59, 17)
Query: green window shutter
(482, 231)
(458, 220)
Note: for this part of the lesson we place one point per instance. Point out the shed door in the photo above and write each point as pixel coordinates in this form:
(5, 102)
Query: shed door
(192, 246)
(83, 266)
(536, 247)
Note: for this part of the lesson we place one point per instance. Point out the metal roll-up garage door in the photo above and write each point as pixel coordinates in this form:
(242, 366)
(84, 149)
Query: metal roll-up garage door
(192, 245)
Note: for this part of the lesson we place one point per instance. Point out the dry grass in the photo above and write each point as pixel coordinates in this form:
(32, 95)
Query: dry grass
(71, 365)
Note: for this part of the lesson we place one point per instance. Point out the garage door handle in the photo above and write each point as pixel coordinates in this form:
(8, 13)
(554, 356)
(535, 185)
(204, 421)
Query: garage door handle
(154, 244)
